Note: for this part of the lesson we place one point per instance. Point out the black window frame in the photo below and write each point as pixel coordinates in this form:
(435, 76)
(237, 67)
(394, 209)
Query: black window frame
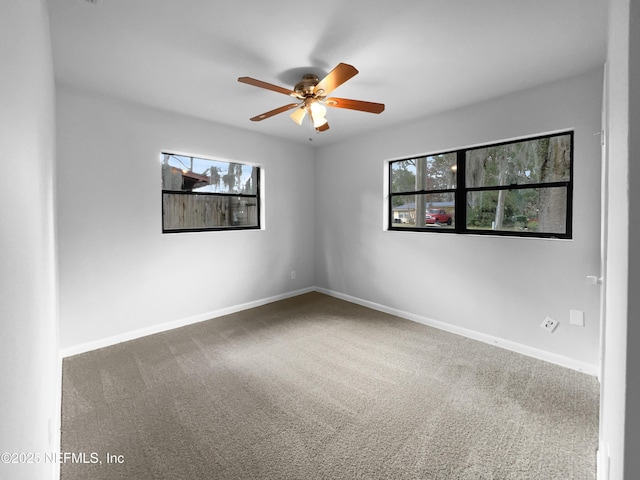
(256, 196)
(461, 190)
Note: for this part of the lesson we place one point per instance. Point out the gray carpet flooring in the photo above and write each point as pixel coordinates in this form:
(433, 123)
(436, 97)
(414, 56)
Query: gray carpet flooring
(313, 387)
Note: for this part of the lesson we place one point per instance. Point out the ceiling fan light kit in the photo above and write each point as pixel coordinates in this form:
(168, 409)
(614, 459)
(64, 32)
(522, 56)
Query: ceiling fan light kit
(311, 94)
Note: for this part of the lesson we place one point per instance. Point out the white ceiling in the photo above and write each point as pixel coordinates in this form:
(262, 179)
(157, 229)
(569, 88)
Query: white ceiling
(418, 57)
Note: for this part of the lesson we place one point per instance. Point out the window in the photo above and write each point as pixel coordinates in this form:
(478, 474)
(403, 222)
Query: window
(200, 194)
(518, 188)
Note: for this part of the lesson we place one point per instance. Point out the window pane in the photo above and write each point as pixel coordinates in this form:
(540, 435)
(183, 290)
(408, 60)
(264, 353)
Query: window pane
(538, 210)
(189, 211)
(192, 174)
(436, 210)
(541, 160)
(434, 172)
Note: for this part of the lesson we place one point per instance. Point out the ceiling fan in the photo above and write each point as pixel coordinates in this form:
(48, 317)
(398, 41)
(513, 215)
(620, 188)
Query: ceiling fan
(312, 93)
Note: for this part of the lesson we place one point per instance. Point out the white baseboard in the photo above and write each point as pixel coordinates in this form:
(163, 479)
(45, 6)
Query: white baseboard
(465, 332)
(602, 462)
(163, 327)
(500, 342)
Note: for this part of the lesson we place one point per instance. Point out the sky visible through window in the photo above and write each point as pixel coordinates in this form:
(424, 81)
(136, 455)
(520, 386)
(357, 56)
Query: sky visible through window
(208, 167)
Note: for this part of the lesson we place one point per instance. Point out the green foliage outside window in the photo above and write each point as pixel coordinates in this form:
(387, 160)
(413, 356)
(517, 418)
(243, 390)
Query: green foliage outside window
(519, 187)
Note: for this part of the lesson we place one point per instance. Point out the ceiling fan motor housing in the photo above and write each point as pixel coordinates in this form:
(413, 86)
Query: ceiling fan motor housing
(306, 86)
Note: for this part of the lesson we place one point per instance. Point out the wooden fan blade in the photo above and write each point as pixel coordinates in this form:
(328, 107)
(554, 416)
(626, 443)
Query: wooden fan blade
(323, 128)
(355, 105)
(336, 77)
(271, 113)
(268, 86)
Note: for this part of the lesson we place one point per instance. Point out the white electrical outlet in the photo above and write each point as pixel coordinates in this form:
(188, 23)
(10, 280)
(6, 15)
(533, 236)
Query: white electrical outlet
(293, 274)
(549, 324)
(576, 317)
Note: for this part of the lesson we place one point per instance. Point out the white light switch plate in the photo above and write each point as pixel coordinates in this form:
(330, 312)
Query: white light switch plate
(576, 317)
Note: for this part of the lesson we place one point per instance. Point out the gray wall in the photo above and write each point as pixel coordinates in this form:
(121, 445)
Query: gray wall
(29, 375)
(111, 246)
(500, 287)
(118, 272)
(632, 434)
